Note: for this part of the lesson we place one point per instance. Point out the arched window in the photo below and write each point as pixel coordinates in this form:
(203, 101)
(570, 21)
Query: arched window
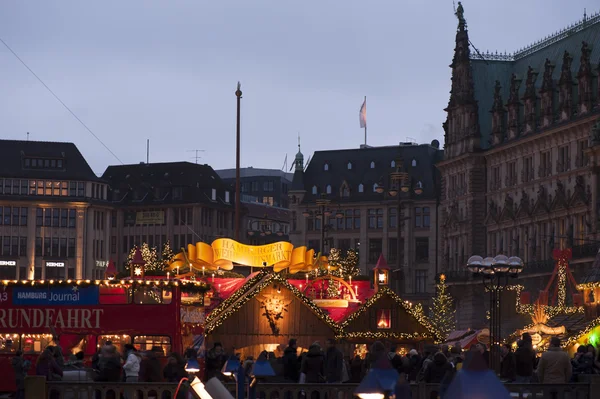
(372, 165)
(326, 167)
(393, 164)
(349, 165)
(375, 187)
(345, 191)
(361, 188)
(314, 190)
(414, 162)
(328, 189)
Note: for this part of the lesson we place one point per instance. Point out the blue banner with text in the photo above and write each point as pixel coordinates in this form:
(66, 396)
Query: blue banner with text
(56, 296)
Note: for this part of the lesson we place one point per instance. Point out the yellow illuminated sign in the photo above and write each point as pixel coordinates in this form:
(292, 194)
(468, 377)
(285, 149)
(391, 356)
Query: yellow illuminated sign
(224, 252)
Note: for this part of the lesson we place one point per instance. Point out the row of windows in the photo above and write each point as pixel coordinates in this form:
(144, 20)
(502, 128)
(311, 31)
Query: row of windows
(349, 165)
(98, 220)
(183, 216)
(98, 249)
(41, 163)
(13, 216)
(267, 186)
(345, 190)
(376, 249)
(13, 246)
(31, 344)
(42, 187)
(351, 219)
(55, 217)
(56, 247)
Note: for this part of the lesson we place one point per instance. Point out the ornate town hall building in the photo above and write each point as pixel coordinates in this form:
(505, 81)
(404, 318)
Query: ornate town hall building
(520, 170)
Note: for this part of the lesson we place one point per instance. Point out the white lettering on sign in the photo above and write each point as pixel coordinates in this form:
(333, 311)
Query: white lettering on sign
(192, 315)
(55, 264)
(101, 263)
(62, 318)
(3, 296)
(8, 262)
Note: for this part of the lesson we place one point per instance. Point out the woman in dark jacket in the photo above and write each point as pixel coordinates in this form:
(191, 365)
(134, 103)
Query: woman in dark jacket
(437, 370)
(150, 368)
(174, 371)
(46, 365)
(313, 365)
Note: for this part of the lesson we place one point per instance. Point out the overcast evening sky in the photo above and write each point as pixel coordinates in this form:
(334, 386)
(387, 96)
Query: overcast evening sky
(167, 71)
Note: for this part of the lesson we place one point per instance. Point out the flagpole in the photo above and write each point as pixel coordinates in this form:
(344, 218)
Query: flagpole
(365, 122)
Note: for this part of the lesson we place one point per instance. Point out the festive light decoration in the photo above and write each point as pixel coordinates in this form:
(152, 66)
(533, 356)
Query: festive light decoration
(442, 314)
(274, 306)
(589, 329)
(414, 311)
(380, 335)
(346, 266)
(185, 285)
(167, 255)
(251, 289)
(540, 318)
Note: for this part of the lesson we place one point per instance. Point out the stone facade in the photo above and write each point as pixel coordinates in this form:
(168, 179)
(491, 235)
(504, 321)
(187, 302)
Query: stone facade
(520, 173)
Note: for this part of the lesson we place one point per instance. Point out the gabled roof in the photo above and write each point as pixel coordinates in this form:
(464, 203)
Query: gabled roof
(424, 155)
(14, 152)
(251, 289)
(415, 311)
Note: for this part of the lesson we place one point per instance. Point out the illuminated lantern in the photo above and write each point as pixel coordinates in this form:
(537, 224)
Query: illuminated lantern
(111, 271)
(137, 264)
(382, 273)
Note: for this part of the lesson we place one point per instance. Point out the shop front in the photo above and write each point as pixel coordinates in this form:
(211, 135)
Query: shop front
(8, 269)
(55, 269)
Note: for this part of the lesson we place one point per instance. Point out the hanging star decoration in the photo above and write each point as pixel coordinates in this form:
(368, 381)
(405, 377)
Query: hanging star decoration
(138, 271)
(75, 289)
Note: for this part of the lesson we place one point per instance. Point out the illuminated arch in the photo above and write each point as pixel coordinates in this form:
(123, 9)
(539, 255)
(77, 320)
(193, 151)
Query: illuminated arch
(332, 278)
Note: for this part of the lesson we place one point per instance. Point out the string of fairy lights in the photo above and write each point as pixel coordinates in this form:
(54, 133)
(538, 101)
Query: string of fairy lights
(186, 286)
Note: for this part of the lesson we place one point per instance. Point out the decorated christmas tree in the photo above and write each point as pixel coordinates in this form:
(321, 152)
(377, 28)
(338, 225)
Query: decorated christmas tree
(442, 313)
(150, 256)
(349, 265)
(167, 254)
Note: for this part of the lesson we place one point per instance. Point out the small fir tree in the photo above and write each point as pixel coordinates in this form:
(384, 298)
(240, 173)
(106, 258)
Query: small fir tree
(442, 313)
(167, 254)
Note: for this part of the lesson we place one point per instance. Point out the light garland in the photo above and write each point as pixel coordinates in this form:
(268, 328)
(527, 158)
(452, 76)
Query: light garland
(379, 335)
(186, 286)
(590, 327)
(250, 290)
(416, 312)
(562, 281)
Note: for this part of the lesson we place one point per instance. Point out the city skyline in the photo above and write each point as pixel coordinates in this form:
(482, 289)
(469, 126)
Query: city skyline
(168, 74)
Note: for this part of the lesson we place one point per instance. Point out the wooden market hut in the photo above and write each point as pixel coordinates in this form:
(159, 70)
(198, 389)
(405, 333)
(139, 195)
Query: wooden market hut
(386, 317)
(264, 314)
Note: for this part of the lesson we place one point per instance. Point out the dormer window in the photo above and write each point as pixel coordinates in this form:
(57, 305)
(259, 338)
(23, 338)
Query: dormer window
(361, 188)
(345, 191)
(414, 162)
(39, 163)
(393, 164)
(213, 195)
(227, 196)
(326, 167)
(314, 190)
(349, 165)
(372, 164)
(328, 190)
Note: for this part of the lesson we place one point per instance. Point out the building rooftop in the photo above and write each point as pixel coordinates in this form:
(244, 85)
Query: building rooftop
(43, 160)
(362, 168)
(179, 182)
(254, 172)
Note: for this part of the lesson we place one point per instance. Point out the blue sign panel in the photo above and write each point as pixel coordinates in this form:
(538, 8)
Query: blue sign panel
(56, 296)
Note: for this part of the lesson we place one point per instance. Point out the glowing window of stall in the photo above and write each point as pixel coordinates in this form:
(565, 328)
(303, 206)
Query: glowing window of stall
(159, 344)
(9, 343)
(117, 340)
(384, 319)
(35, 343)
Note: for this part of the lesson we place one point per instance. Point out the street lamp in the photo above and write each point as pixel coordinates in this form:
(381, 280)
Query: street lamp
(322, 213)
(401, 183)
(495, 273)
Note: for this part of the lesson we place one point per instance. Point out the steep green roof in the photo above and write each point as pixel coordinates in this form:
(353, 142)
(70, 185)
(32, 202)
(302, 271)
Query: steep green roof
(500, 67)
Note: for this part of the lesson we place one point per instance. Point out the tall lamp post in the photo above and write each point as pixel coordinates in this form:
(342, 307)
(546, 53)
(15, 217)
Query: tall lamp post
(401, 186)
(495, 273)
(322, 212)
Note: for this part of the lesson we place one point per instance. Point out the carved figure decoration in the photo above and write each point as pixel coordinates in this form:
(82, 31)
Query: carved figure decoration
(515, 84)
(460, 14)
(493, 210)
(274, 307)
(498, 115)
(530, 100)
(560, 192)
(584, 77)
(524, 203)
(547, 92)
(595, 134)
(542, 198)
(513, 106)
(565, 87)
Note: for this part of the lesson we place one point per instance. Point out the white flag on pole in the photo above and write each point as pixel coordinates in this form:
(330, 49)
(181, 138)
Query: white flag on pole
(363, 114)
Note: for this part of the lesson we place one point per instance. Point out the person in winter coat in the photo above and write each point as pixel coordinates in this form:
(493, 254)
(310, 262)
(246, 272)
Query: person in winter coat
(313, 365)
(291, 371)
(525, 360)
(415, 365)
(20, 366)
(356, 369)
(132, 364)
(109, 364)
(46, 365)
(395, 359)
(174, 371)
(215, 360)
(582, 363)
(555, 365)
(437, 369)
(150, 368)
(334, 363)
(508, 365)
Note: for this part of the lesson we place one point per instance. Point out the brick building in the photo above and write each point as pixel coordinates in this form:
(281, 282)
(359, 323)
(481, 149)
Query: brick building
(519, 174)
